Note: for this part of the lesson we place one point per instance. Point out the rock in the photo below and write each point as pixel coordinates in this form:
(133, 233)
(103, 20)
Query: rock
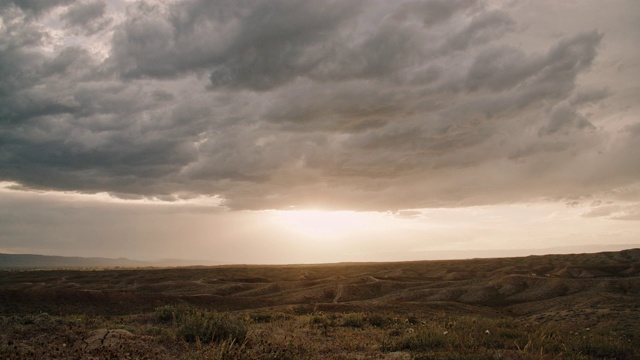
(104, 338)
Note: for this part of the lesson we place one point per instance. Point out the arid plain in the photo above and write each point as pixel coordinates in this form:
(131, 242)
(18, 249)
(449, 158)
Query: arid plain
(584, 306)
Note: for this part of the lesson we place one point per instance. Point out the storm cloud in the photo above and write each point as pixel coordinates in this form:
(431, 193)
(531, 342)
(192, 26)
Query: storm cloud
(365, 105)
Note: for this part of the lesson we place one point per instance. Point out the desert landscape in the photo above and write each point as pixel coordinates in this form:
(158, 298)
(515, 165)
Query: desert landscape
(584, 306)
(326, 179)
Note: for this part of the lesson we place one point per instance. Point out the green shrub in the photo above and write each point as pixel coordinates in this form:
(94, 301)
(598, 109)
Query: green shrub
(201, 325)
(211, 326)
(165, 313)
(28, 319)
(422, 340)
(46, 319)
(319, 320)
(262, 317)
(413, 320)
(354, 320)
(175, 313)
(377, 320)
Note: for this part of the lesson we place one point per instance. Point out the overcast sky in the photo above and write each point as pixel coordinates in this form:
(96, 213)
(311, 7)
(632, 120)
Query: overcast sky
(304, 131)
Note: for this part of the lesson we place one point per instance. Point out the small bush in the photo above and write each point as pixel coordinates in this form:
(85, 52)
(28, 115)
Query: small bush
(319, 320)
(422, 340)
(200, 325)
(353, 320)
(174, 313)
(165, 313)
(28, 320)
(211, 326)
(44, 319)
(262, 317)
(377, 320)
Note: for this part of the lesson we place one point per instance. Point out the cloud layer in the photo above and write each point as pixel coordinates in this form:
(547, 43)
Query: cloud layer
(337, 104)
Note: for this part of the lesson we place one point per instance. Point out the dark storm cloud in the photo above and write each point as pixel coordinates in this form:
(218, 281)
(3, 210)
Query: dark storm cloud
(83, 13)
(20, 60)
(254, 45)
(33, 6)
(89, 16)
(482, 28)
(564, 119)
(344, 104)
(432, 12)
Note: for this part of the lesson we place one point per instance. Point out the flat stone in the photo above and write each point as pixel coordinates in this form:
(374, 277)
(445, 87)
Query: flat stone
(104, 338)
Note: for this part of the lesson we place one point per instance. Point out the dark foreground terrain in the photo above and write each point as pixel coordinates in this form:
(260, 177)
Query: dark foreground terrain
(540, 307)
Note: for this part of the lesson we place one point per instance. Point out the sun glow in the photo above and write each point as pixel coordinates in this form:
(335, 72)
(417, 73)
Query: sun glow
(326, 223)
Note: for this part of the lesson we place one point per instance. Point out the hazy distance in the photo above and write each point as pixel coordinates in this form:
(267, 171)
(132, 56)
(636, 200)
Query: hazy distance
(295, 132)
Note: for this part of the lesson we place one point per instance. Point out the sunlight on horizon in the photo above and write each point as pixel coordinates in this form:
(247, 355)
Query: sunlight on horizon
(324, 223)
(119, 228)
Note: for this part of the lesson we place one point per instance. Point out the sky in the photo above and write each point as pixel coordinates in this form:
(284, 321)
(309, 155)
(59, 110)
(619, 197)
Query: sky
(287, 131)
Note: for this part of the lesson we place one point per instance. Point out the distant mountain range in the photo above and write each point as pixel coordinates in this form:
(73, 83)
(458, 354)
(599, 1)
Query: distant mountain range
(507, 253)
(32, 261)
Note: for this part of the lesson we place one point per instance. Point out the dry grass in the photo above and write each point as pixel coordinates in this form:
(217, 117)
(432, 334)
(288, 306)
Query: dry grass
(555, 307)
(308, 336)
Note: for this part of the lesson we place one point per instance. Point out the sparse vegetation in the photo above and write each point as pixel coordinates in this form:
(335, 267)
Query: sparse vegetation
(354, 320)
(398, 317)
(197, 333)
(377, 320)
(207, 326)
(422, 340)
